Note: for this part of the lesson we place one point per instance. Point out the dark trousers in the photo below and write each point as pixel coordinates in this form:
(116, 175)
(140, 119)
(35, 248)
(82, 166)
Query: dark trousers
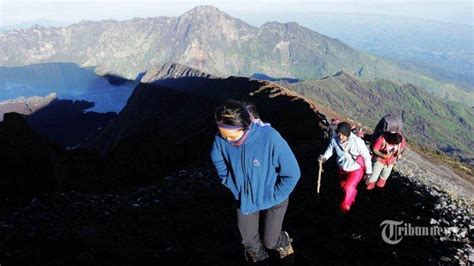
(272, 234)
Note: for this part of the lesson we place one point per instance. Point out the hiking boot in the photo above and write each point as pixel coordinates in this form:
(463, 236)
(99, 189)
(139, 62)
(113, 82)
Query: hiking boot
(345, 208)
(381, 183)
(286, 251)
(286, 248)
(256, 256)
(370, 186)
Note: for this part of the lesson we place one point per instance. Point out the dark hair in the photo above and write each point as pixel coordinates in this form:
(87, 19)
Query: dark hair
(393, 138)
(344, 128)
(233, 113)
(252, 109)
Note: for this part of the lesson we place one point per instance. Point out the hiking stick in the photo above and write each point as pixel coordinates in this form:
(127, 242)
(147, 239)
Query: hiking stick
(319, 175)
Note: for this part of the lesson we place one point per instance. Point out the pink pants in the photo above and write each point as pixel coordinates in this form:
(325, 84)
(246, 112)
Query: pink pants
(349, 182)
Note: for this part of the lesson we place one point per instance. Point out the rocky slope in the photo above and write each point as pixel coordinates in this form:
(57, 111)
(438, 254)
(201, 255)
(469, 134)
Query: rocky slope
(424, 169)
(207, 39)
(188, 219)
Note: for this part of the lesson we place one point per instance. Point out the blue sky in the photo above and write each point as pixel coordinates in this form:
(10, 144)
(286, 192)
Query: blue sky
(18, 11)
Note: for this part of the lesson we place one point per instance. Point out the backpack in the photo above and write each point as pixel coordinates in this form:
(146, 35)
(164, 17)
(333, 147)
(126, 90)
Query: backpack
(397, 149)
(388, 123)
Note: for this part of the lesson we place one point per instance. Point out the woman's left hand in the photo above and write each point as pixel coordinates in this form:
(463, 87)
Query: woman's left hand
(367, 176)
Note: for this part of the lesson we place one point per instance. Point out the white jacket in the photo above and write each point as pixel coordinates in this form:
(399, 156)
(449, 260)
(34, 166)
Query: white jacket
(348, 152)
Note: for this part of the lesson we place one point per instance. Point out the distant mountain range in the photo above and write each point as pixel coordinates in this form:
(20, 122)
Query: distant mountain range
(428, 120)
(27, 24)
(210, 40)
(442, 50)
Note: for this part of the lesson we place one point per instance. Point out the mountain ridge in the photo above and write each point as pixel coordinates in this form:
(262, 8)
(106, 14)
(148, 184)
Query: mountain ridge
(207, 39)
(428, 120)
(173, 71)
(168, 122)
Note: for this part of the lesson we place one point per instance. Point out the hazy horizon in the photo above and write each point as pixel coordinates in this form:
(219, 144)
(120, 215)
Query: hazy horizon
(60, 12)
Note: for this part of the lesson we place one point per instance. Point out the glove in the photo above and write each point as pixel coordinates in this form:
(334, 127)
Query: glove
(321, 158)
(367, 177)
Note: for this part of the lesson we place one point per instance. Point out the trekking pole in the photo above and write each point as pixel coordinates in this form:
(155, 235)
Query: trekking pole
(319, 175)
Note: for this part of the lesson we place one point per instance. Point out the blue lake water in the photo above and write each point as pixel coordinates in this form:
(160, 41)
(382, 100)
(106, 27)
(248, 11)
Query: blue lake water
(68, 81)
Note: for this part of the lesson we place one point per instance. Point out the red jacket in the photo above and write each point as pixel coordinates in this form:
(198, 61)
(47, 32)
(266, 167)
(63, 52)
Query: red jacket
(383, 147)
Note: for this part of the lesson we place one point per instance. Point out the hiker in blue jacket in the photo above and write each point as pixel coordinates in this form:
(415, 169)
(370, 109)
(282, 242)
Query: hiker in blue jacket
(259, 168)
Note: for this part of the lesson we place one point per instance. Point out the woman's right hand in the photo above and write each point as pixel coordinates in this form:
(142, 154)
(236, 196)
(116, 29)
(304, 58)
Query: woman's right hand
(322, 159)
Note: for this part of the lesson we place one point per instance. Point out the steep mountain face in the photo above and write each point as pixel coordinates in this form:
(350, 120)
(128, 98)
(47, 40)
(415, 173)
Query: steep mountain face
(428, 120)
(200, 38)
(168, 123)
(207, 39)
(24, 105)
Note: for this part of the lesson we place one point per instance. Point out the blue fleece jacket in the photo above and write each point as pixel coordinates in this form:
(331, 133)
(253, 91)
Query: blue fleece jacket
(261, 173)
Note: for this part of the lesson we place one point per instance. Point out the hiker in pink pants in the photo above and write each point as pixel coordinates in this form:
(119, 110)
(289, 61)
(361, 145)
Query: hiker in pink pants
(353, 159)
(349, 182)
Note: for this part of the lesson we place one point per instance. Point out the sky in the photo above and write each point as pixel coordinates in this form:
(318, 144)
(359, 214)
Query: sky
(70, 11)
